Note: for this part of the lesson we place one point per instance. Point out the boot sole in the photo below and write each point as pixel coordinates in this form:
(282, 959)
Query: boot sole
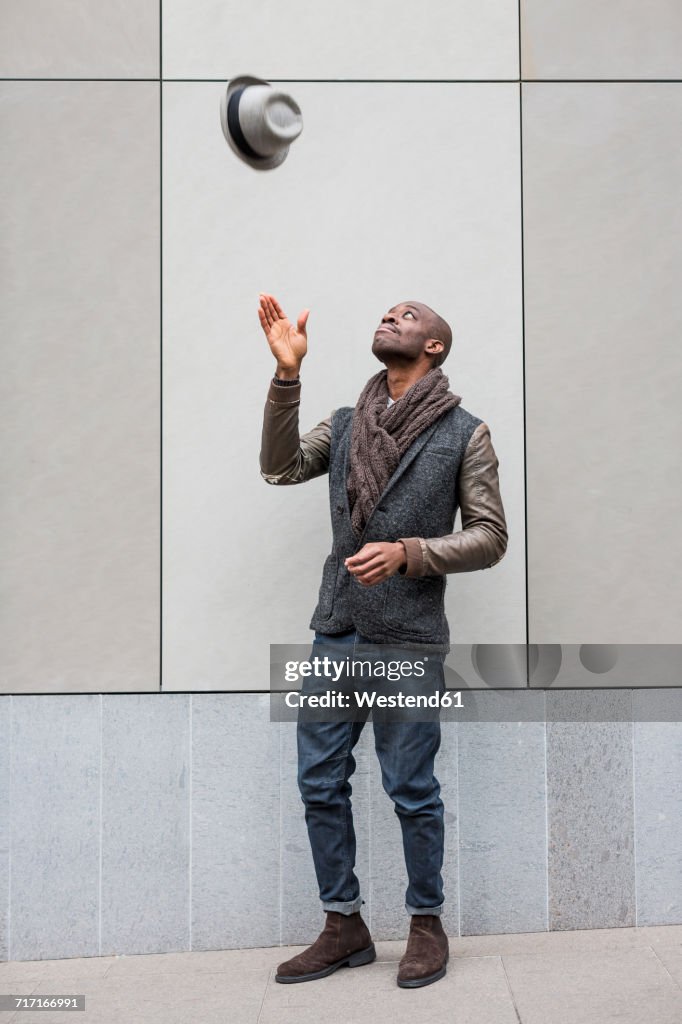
(363, 956)
(428, 980)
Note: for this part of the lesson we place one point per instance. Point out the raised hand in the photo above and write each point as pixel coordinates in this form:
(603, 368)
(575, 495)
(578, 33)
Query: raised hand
(288, 344)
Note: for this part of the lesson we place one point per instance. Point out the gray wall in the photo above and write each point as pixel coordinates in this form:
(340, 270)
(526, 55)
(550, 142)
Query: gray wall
(150, 823)
(410, 179)
(436, 153)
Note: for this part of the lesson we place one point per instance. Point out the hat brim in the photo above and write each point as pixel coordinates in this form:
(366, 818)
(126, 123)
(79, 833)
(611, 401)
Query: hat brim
(265, 163)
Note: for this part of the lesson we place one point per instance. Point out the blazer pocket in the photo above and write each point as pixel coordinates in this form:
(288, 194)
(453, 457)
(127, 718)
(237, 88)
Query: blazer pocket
(330, 572)
(414, 605)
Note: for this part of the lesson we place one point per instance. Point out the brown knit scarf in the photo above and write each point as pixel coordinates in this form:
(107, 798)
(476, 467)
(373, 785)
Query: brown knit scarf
(381, 435)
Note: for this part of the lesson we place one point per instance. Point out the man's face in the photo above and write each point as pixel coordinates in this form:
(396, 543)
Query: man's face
(402, 332)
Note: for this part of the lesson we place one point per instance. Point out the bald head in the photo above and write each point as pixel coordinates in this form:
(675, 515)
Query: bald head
(439, 330)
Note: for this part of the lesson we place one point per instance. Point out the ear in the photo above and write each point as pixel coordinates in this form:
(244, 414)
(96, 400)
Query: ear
(434, 347)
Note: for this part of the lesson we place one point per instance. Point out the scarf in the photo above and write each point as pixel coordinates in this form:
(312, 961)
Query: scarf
(381, 435)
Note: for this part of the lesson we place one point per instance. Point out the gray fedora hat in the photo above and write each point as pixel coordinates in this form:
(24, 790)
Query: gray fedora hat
(259, 122)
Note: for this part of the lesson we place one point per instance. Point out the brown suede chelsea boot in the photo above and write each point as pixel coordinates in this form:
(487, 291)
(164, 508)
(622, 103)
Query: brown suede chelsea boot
(345, 939)
(426, 954)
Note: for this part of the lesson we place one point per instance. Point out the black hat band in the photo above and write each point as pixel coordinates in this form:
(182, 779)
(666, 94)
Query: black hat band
(236, 129)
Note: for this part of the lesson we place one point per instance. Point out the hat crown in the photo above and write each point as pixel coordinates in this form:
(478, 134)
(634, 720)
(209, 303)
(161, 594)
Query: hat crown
(269, 119)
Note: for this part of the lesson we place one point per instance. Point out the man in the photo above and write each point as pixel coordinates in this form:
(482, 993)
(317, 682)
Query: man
(400, 463)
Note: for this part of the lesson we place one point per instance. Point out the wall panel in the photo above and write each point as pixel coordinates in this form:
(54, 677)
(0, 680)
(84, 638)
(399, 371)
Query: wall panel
(79, 390)
(602, 222)
(145, 822)
(79, 39)
(349, 225)
(379, 40)
(609, 39)
(55, 826)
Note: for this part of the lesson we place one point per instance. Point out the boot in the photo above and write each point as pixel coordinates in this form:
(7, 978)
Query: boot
(426, 954)
(345, 939)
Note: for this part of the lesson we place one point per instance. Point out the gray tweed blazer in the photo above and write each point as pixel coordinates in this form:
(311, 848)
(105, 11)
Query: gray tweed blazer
(419, 499)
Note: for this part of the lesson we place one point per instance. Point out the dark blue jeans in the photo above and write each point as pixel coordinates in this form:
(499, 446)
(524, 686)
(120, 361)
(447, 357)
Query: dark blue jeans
(406, 752)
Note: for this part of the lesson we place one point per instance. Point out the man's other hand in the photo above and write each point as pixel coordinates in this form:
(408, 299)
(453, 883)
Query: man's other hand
(375, 562)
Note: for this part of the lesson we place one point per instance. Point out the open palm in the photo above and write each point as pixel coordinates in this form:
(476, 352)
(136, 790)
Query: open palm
(288, 343)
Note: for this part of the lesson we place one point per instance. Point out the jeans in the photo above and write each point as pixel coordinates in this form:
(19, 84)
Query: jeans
(406, 752)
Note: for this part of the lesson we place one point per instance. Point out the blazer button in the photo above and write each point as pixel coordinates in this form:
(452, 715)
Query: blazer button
(339, 508)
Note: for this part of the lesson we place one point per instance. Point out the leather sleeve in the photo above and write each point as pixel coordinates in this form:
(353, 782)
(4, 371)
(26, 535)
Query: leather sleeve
(286, 457)
(482, 541)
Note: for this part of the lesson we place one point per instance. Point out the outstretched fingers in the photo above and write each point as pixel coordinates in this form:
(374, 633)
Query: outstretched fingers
(263, 311)
(278, 311)
(262, 316)
(271, 309)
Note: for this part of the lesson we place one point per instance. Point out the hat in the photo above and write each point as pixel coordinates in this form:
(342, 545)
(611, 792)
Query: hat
(259, 122)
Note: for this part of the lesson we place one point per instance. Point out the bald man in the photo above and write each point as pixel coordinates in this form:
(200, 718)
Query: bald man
(401, 462)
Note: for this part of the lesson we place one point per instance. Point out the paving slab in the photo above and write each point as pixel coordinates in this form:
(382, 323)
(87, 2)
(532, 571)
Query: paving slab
(671, 958)
(662, 935)
(628, 986)
(147, 998)
(472, 992)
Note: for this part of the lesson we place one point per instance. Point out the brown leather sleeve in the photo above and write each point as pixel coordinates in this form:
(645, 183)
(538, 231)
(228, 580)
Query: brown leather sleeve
(286, 457)
(482, 541)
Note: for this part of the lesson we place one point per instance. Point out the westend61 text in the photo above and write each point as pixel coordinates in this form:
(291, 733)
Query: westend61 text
(337, 699)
